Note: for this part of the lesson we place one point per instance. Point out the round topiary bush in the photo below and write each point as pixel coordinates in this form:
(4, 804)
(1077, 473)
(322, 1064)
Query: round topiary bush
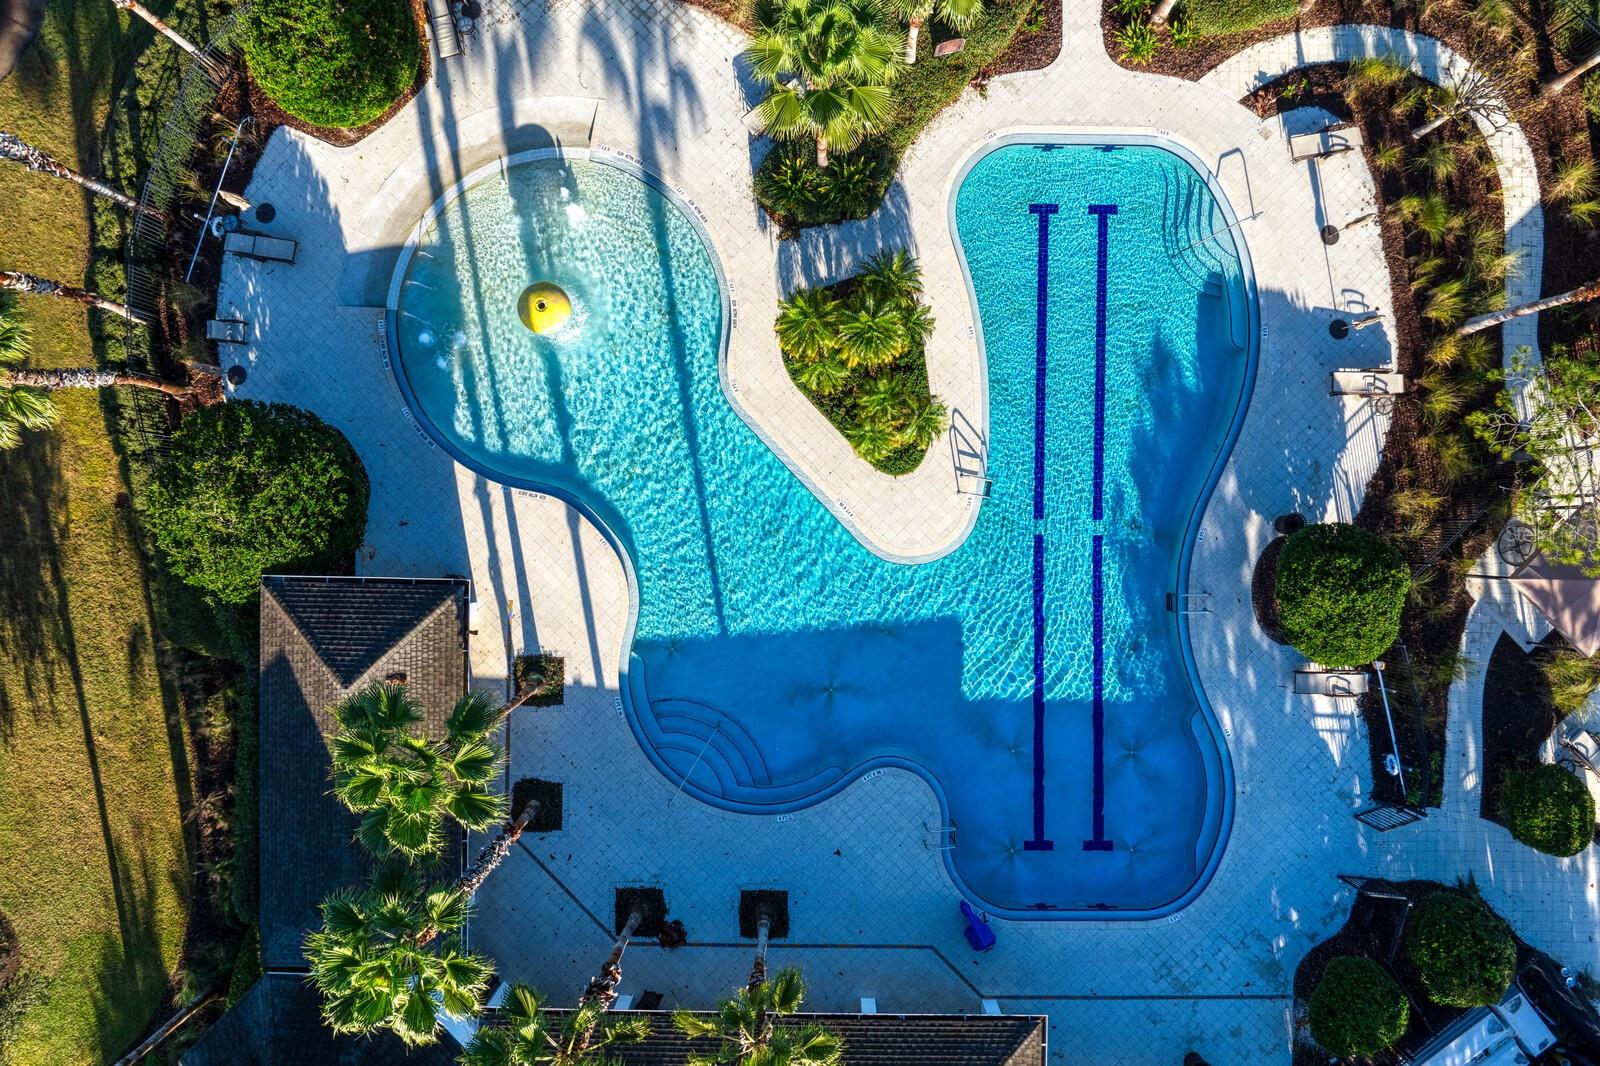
(248, 489)
(1357, 1008)
(1548, 808)
(1340, 590)
(1463, 952)
(333, 64)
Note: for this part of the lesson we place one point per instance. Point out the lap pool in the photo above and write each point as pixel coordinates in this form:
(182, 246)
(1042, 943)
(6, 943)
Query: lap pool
(1037, 676)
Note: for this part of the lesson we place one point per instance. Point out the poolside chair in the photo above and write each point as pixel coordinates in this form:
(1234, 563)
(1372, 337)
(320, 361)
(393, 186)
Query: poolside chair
(979, 935)
(260, 246)
(227, 331)
(1324, 142)
(446, 36)
(1578, 750)
(1366, 383)
(1337, 683)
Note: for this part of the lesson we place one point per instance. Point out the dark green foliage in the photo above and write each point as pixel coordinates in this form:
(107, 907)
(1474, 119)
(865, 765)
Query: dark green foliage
(1340, 591)
(333, 64)
(1464, 953)
(18, 996)
(250, 489)
(797, 192)
(241, 698)
(1213, 17)
(856, 350)
(246, 966)
(1357, 1008)
(1548, 808)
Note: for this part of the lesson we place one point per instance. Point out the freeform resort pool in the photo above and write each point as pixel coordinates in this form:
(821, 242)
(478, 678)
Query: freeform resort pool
(1038, 676)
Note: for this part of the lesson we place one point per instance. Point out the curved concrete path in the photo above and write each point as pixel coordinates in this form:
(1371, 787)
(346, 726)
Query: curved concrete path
(1434, 60)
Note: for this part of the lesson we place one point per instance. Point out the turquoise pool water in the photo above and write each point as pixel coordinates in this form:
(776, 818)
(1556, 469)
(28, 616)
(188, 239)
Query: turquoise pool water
(774, 659)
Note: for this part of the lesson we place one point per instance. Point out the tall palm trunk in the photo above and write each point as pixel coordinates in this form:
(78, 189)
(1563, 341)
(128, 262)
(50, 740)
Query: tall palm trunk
(86, 378)
(602, 988)
(17, 150)
(1581, 294)
(33, 285)
(171, 34)
(916, 30)
(822, 152)
(758, 969)
(495, 852)
(1163, 11)
(1579, 69)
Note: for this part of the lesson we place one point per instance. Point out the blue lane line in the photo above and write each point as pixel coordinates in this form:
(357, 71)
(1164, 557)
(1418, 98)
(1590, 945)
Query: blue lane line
(1040, 337)
(1098, 841)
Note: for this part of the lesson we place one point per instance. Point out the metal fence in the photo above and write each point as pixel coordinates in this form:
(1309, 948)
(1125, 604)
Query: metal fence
(170, 170)
(1574, 27)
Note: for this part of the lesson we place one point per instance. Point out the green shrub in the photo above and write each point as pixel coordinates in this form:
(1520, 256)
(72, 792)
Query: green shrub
(1213, 17)
(1357, 1008)
(1548, 808)
(246, 966)
(333, 64)
(1340, 591)
(797, 192)
(248, 489)
(1463, 952)
(1590, 87)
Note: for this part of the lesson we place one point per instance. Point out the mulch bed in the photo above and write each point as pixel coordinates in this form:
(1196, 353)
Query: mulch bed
(1518, 714)
(1030, 49)
(1263, 591)
(754, 902)
(547, 819)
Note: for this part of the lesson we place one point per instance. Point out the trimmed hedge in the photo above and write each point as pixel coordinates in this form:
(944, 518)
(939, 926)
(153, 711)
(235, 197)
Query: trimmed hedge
(340, 63)
(1548, 808)
(1215, 17)
(248, 489)
(1357, 1008)
(1340, 591)
(1463, 952)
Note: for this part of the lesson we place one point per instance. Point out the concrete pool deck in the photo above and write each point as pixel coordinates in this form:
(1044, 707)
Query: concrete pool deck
(873, 911)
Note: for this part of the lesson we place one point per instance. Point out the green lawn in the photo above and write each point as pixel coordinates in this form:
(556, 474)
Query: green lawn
(93, 860)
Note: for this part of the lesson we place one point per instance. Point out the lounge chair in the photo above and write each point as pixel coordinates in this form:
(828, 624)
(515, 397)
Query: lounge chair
(979, 935)
(1324, 142)
(227, 331)
(1366, 383)
(446, 36)
(259, 246)
(1339, 683)
(1579, 751)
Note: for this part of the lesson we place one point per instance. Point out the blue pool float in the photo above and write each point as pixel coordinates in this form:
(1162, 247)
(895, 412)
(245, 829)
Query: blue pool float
(979, 935)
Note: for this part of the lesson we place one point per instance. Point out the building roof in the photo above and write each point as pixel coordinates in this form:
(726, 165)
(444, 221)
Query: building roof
(279, 1023)
(876, 1039)
(323, 638)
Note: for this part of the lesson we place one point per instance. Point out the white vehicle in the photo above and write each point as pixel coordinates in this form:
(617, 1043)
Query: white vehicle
(1511, 1032)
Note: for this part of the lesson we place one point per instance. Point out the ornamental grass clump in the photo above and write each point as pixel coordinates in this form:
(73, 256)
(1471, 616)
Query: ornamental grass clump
(1357, 1008)
(247, 489)
(333, 64)
(1340, 591)
(856, 350)
(1548, 808)
(1463, 953)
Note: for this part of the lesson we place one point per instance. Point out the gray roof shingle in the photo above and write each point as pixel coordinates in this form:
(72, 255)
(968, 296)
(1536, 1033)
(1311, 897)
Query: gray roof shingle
(316, 648)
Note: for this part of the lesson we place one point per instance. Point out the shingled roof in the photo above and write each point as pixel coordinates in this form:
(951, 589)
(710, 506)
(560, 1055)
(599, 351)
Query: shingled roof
(874, 1039)
(323, 638)
(279, 1023)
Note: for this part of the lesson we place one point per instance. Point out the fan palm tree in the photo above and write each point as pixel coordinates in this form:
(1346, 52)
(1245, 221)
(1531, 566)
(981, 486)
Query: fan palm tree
(872, 333)
(829, 63)
(387, 957)
(824, 377)
(888, 400)
(17, 150)
(25, 402)
(748, 1033)
(870, 440)
(526, 1036)
(808, 323)
(926, 421)
(402, 784)
(33, 285)
(961, 14)
(892, 276)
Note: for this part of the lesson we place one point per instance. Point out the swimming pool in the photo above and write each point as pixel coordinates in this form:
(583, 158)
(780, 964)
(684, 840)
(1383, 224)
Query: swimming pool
(773, 659)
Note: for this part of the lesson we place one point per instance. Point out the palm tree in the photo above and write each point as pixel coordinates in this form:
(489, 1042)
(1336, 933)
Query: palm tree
(872, 333)
(824, 377)
(403, 785)
(1582, 294)
(829, 63)
(893, 276)
(808, 323)
(527, 1037)
(960, 14)
(17, 150)
(33, 285)
(25, 402)
(887, 400)
(746, 1027)
(926, 421)
(210, 65)
(1556, 84)
(870, 440)
(387, 957)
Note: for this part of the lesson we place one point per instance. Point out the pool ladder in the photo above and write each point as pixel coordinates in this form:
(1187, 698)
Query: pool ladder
(1189, 602)
(939, 837)
(969, 455)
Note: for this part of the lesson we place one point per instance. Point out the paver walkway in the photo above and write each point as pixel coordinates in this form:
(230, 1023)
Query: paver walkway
(873, 912)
